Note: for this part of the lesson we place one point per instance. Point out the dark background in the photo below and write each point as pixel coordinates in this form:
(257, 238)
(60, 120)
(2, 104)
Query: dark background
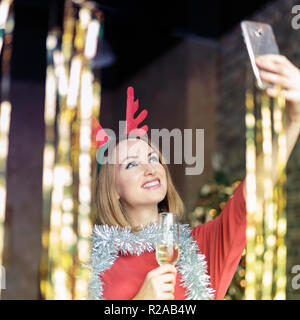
(137, 31)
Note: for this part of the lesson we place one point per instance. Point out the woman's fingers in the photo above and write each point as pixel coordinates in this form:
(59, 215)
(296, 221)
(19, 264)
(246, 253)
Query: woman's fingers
(278, 70)
(274, 61)
(276, 64)
(287, 81)
(168, 278)
(276, 79)
(167, 287)
(165, 269)
(167, 296)
(278, 59)
(289, 95)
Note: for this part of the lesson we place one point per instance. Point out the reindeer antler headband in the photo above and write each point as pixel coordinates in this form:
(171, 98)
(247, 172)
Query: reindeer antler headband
(103, 139)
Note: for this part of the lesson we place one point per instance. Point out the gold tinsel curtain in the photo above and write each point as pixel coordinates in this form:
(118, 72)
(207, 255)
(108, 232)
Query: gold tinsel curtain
(72, 100)
(265, 193)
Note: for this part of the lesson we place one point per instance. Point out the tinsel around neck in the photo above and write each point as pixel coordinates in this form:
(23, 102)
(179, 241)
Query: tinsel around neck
(110, 241)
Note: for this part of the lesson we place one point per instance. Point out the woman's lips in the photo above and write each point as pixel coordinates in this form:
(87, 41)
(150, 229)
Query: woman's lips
(154, 184)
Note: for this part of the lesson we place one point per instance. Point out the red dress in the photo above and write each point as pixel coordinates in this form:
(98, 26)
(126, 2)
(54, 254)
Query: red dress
(221, 240)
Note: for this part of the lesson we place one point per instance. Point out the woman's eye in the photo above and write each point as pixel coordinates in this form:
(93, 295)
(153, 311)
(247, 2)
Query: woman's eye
(130, 163)
(154, 159)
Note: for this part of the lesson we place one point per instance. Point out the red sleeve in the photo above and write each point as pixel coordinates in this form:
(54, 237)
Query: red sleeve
(223, 240)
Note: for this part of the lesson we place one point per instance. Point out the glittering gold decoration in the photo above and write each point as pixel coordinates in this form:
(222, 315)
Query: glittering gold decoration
(266, 221)
(72, 99)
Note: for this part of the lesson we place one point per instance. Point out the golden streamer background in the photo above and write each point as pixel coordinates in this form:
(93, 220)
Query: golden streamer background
(72, 100)
(266, 202)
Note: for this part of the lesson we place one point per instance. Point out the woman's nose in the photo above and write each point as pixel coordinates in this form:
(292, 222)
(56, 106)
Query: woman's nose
(149, 168)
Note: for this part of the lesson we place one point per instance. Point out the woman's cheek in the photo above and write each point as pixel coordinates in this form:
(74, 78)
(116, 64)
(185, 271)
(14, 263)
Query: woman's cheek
(165, 187)
(131, 184)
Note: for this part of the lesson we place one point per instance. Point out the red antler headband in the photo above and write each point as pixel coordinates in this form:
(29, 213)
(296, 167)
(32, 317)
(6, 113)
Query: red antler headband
(103, 139)
(131, 109)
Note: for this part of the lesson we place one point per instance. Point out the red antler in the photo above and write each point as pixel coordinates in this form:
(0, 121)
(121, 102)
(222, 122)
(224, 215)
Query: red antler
(99, 135)
(131, 122)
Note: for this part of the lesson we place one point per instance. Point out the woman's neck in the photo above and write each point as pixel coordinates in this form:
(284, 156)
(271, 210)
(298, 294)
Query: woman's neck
(140, 216)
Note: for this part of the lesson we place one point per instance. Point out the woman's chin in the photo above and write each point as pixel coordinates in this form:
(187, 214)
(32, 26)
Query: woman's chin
(157, 196)
(154, 199)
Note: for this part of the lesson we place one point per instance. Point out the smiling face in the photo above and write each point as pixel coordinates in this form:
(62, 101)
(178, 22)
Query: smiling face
(140, 178)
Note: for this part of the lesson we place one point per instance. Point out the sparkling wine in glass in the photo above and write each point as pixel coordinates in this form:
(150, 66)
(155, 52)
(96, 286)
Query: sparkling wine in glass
(167, 247)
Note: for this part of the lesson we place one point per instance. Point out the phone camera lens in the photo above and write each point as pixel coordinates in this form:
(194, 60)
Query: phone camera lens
(258, 33)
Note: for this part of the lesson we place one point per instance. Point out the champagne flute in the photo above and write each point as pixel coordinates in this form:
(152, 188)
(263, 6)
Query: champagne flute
(167, 246)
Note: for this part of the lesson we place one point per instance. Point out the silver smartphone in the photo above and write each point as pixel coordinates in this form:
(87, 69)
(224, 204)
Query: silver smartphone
(259, 39)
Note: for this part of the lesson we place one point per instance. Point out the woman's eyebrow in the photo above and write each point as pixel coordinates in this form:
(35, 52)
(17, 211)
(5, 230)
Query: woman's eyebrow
(134, 157)
(149, 154)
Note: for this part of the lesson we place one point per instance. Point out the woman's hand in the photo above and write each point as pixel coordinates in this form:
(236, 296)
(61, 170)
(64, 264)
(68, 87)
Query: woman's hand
(278, 70)
(159, 284)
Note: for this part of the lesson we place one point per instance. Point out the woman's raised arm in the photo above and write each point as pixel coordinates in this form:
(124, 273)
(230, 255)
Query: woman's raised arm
(223, 240)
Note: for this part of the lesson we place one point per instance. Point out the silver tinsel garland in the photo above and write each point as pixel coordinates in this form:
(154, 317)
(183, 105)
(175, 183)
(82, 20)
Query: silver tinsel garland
(109, 241)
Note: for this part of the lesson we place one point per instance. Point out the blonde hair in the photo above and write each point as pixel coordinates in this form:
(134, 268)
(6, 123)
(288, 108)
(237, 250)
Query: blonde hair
(109, 208)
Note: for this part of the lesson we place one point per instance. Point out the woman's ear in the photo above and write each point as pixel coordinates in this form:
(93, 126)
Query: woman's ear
(117, 194)
(115, 191)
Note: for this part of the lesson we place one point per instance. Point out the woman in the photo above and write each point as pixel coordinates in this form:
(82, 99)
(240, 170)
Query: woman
(131, 193)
